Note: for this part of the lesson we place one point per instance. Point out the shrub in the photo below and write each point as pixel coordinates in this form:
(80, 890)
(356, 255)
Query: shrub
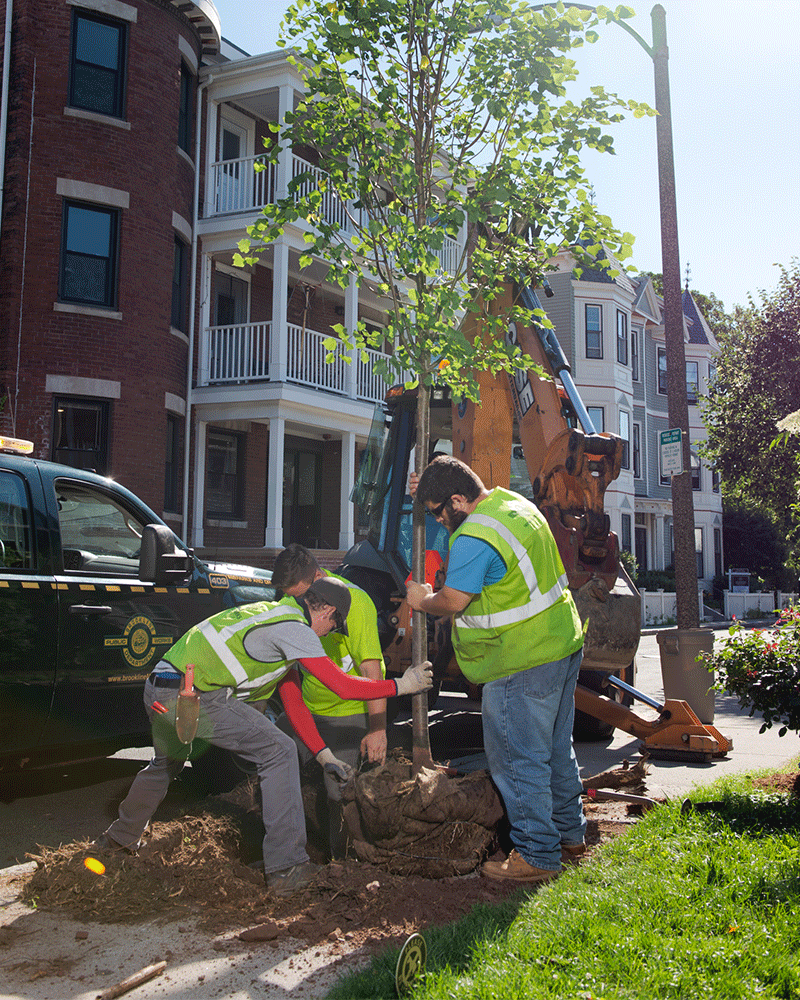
(762, 668)
(657, 579)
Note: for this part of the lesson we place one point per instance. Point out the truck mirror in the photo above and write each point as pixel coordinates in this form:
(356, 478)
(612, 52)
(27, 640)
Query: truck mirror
(161, 562)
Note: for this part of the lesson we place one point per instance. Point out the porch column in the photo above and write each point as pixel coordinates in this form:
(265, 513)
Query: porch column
(273, 530)
(279, 334)
(284, 165)
(350, 323)
(659, 542)
(212, 178)
(196, 540)
(204, 354)
(347, 535)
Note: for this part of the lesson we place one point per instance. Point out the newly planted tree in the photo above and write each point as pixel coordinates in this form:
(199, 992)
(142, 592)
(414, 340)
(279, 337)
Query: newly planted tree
(451, 157)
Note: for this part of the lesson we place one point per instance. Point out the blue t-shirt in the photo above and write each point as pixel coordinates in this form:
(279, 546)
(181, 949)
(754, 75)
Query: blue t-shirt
(473, 564)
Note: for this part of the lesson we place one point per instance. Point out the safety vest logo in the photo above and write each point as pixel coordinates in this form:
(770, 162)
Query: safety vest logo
(139, 641)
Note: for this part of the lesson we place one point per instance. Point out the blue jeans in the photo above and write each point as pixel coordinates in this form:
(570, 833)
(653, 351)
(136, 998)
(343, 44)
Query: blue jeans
(527, 735)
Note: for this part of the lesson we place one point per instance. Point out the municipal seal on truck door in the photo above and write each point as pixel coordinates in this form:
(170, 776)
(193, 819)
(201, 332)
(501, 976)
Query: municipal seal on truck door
(139, 641)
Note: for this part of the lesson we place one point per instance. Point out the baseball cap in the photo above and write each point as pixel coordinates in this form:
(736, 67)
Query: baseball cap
(335, 593)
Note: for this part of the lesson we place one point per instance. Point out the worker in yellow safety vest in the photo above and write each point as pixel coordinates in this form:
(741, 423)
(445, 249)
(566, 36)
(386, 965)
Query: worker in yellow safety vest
(516, 630)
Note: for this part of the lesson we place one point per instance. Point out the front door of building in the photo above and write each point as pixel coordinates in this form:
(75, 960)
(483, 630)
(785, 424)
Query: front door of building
(301, 496)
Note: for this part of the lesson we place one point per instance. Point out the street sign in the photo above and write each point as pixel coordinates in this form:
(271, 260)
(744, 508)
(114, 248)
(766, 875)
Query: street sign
(671, 452)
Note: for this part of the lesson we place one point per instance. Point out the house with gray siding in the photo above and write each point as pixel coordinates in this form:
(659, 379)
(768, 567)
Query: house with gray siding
(611, 328)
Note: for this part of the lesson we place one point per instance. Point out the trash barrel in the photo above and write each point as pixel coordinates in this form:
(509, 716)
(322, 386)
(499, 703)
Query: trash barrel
(684, 679)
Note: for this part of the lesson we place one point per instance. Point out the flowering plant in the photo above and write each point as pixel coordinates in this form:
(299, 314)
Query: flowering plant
(762, 668)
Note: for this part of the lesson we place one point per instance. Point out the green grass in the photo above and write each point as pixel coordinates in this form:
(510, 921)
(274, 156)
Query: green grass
(699, 906)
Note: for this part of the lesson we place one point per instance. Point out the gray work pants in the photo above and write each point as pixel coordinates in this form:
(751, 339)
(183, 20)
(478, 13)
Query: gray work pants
(342, 735)
(232, 725)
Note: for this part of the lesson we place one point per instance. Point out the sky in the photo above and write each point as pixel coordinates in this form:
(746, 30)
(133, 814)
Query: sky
(734, 73)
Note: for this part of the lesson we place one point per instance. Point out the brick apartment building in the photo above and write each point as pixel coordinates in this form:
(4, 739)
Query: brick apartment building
(131, 133)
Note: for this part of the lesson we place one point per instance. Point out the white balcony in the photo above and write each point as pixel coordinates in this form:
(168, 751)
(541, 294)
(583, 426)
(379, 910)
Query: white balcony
(240, 354)
(235, 187)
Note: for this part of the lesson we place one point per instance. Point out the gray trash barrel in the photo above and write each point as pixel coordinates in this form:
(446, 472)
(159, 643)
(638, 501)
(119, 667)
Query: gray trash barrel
(684, 679)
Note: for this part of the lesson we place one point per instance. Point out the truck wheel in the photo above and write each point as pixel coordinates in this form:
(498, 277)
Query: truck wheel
(586, 728)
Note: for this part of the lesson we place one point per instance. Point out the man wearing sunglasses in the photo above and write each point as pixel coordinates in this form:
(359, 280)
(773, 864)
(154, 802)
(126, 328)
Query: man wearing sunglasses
(246, 654)
(517, 632)
(352, 728)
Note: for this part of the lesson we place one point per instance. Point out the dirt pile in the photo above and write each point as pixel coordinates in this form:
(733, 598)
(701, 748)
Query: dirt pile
(199, 865)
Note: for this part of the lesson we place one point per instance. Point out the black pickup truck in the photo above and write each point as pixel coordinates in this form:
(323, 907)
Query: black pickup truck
(94, 589)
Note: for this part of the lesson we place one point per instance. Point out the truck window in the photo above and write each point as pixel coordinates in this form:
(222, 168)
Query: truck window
(15, 524)
(98, 534)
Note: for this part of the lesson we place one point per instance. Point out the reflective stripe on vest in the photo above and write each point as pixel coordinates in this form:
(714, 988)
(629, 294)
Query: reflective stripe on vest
(218, 641)
(539, 601)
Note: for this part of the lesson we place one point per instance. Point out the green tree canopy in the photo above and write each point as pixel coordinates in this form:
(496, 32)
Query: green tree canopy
(436, 119)
(753, 540)
(757, 384)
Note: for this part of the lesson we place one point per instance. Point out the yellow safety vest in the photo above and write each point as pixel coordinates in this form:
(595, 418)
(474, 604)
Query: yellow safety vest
(216, 647)
(526, 618)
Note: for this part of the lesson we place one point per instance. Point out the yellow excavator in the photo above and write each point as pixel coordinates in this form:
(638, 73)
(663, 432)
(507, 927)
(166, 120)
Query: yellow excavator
(534, 435)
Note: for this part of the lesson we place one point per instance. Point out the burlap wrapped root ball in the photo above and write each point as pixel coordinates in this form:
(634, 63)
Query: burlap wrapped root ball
(432, 825)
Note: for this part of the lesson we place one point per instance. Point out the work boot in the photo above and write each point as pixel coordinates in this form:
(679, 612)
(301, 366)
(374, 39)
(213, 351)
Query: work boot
(106, 843)
(516, 869)
(572, 854)
(291, 880)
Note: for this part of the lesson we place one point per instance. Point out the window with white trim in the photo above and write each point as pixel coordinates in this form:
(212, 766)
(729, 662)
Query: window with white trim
(594, 331)
(637, 451)
(635, 366)
(622, 337)
(692, 382)
(598, 417)
(662, 371)
(625, 434)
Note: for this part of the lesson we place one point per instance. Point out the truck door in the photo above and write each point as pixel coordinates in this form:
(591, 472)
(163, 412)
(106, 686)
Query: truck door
(113, 626)
(28, 613)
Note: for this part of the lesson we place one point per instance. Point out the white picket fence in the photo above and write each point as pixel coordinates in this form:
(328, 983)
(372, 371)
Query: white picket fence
(660, 607)
(743, 606)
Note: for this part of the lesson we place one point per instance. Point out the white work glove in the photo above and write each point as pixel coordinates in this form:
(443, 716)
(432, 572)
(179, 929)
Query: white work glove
(415, 679)
(334, 767)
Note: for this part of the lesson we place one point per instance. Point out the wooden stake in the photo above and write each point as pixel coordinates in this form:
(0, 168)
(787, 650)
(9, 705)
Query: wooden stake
(149, 972)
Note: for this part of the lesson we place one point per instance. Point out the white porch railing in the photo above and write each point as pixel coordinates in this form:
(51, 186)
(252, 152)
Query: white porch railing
(237, 187)
(238, 353)
(334, 210)
(307, 364)
(449, 255)
(370, 385)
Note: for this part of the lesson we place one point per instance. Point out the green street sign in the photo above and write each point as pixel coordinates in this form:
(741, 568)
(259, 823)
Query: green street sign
(671, 452)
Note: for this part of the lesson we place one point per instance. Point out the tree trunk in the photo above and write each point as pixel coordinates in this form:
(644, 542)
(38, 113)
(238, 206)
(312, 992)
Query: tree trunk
(421, 744)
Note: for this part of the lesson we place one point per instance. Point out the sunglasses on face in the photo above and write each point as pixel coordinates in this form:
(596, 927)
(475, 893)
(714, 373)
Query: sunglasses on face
(437, 511)
(338, 621)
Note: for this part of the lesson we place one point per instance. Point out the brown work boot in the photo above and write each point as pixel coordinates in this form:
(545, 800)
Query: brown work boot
(572, 854)
(516, 869)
